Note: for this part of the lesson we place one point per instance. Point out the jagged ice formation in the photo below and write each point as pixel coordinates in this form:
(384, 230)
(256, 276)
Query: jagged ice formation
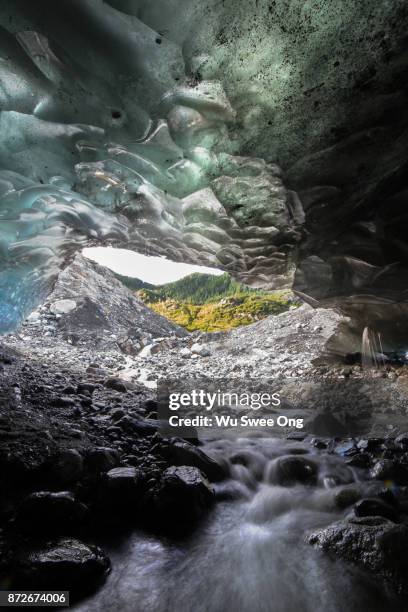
(267, 137)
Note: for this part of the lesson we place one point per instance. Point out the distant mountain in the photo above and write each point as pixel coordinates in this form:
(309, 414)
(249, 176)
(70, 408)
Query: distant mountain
(198, 288)
(134, 284)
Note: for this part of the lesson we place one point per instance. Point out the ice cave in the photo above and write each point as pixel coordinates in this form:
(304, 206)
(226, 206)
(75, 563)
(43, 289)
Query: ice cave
(267, 138)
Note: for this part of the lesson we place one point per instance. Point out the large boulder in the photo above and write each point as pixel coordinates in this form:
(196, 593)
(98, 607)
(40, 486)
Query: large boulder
(180, 497)
(373, 543)
(65, 564)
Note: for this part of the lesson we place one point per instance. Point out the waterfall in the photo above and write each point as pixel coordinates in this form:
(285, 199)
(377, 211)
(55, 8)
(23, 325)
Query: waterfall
(372, 355)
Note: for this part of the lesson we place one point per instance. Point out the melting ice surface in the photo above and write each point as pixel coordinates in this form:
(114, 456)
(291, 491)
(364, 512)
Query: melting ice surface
(40, 226)
(251, 553)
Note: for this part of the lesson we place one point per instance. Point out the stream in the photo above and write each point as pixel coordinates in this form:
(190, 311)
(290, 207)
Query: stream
(250, 554)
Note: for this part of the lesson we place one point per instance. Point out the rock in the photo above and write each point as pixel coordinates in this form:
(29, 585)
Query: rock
(117, 414)
(185, 352)
(291, 470)
(149, 350)
(346, 497)
(116, 384)
(362, 460)
(102, 459)
(62, 564)
(63, 306)
(373, 543)
(180, 452)
(297, 435)
(402, 440)
(200, 349)
(63, 401)
(180, 497)
(370, 445)
(67, 466)
(372, 506)
(121, 488)
(142, 427)
(86, 388)
(387, 469)
(49, 512)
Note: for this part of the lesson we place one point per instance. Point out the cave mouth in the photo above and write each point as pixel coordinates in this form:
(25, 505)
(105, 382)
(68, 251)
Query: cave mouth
(249, 153)
(196, 298)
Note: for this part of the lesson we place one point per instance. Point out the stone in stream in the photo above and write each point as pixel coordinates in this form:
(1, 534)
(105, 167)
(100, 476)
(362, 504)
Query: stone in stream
(387, 469)
(373, 543)
(291, 470)
(372, 506)
(346, 497)
(63, 564)
(49, 512)
(180, 452)
(180, 497)
(402, 440)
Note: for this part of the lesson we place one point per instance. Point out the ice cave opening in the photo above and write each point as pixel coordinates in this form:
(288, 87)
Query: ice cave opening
(176, 131)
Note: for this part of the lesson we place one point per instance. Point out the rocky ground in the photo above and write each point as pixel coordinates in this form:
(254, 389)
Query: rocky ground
(79, 444)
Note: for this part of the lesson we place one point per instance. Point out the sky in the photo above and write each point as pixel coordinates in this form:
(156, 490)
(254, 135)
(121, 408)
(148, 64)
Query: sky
(154, 270)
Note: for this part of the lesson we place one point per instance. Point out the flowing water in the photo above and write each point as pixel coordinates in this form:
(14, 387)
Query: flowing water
(250, 554)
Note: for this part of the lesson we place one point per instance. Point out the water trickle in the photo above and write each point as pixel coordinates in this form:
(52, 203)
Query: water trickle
(372, 355)
(251, 552)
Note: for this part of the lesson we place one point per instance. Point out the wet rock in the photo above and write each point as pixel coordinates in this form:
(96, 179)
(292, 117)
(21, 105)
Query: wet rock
(180, 452)
(121, 488)
(67, 466)
(49, 512)
(370, 445)
(346, 497)
(297, 435)
(102, 459)
(291, 470)
(116, 384)
(387, 469)
(373, 543)
(318, 443)
(180, 497)
(402, 440)
(62, 564)
(362, 460)
(141, 427)
(372, 506)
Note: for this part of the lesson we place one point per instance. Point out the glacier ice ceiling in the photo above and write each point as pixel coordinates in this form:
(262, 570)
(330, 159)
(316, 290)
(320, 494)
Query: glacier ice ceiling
(266, 137)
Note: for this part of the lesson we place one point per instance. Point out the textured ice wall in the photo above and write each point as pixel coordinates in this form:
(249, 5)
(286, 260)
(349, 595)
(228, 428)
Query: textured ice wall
(158, 124)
